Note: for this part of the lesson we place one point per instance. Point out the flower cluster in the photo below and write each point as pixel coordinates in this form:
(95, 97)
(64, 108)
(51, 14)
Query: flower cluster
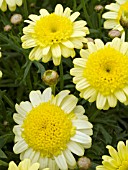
(52, 130)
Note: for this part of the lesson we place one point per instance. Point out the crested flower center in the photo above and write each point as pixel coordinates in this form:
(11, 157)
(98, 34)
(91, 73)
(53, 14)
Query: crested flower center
(48, 129)
(52, 29)
(123, 7)
(124, 165)
(107, 70)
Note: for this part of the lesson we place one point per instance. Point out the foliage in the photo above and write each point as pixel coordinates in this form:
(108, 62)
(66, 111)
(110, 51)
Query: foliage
(20, 76)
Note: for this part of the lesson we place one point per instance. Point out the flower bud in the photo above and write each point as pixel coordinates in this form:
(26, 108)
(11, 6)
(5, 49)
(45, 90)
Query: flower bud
(7, 28)
(124, 19)
(50, 77)
(5, 123)
(99, 8)
(32, 5)
(84, 163)
(85, 46)
(16, 19)
(114, 33)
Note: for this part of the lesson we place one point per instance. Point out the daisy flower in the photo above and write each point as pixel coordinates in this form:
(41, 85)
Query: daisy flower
(101, 74)
(51, 128)
(53, 35)
(118, 160)
(24, 165)
(11, 4)
(114, 15)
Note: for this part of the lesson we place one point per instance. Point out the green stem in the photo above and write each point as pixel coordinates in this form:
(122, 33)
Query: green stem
(9, 101)
(61, 76)
(86, 13)
(126, 34)
(53, 89)
(74, 5)
(25, 9)
(99, 23)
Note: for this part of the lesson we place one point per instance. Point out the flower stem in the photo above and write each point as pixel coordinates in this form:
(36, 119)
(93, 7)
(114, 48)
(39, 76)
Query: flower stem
(53, 89)
(86, 13)
(9, 101)
(99, 24)
(61, 76)
(25, 8)
(126, 34)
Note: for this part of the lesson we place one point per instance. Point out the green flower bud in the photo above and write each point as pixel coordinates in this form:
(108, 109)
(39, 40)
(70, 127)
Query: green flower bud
(50, 77)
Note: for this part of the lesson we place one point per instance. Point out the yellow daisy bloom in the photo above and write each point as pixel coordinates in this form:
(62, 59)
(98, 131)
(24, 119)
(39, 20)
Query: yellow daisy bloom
(24, 165)
(114, 15)
(118, 160)
(51, 128)
(11, 4)
(101, 74)
(53, 35)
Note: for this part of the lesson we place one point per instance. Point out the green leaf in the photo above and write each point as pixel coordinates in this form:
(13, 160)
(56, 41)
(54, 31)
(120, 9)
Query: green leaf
(3, 163)
(2, 154)
(5, 138)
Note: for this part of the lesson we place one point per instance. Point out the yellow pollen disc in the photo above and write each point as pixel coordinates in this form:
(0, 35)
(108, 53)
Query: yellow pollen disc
(107, 70)
(48, 129)
(52, 29)
(124, 166)
(123, 7)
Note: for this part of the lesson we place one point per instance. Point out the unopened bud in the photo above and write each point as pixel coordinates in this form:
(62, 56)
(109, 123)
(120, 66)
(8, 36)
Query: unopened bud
(84, 163)
(124, 19)
(99, 8)
(16, 19)
(32, 5)
(85, 46)
(7, 28)
(114, 33)
(50, 77)
(5, 123)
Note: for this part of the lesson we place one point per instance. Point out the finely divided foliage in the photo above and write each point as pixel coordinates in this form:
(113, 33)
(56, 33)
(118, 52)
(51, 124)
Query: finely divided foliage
(68, 121)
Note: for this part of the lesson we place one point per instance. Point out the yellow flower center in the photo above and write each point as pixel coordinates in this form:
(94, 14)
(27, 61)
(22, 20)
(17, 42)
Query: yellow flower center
(48, 129)
(107, 70)
(124, 166)
(123, 7)
(52, 29)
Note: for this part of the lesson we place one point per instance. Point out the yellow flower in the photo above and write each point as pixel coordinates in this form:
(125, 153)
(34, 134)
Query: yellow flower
(23, 165)
(11, 4)
(101, 74)
(53, 35)
(50, 128)
(118, 160)
(114, 15)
